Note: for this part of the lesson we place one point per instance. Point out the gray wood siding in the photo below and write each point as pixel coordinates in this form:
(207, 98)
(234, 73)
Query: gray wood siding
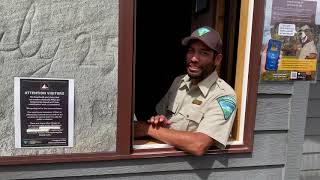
(314, 108)
(269, 173)
(298, 114)
(262, 155)
(310, 164)
(311, 126)
(275, 114)
(310, 175)
(311, 144)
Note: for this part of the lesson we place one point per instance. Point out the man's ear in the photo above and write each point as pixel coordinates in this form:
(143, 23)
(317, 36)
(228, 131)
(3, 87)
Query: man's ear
(218, 59)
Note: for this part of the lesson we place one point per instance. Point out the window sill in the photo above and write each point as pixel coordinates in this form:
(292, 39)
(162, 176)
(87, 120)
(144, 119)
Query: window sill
(136, 154)
(150, 148)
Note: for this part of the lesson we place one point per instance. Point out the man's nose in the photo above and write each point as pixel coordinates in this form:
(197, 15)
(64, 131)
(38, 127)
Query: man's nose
(195, 57)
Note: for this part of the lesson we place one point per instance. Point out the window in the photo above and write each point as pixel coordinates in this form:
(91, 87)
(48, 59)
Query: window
(244, 74)
(160, 56)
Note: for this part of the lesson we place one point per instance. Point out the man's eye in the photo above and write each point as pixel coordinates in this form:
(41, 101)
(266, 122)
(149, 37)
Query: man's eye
(204, 53)
(190, 51)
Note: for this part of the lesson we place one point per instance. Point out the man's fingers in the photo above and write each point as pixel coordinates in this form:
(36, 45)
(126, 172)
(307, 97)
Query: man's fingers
(161, 119)
(157, 120)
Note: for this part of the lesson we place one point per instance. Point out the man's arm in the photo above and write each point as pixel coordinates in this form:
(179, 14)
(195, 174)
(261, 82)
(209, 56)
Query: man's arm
(193, 142)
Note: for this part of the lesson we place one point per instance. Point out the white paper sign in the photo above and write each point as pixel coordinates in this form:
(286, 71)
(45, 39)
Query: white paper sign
(286, 29)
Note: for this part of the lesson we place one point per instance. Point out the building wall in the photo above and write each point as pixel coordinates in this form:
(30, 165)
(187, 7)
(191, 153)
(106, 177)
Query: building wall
(310, 167)
(280, 117)
(62, 39)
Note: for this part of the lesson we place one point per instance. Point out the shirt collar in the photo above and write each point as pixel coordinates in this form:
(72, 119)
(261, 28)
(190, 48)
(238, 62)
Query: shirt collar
(203, 85)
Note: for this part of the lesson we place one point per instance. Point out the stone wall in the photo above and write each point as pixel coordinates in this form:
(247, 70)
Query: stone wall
(76, 39)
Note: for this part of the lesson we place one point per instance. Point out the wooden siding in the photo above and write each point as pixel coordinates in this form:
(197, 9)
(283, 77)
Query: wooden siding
(310, 175)
(278, 106)
(311, 144)
(269, 173)
(311, 126)
(262, 155)
(310, 164)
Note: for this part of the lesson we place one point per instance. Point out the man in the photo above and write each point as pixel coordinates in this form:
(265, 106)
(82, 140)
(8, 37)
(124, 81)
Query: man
(308, 48)
(199, 108)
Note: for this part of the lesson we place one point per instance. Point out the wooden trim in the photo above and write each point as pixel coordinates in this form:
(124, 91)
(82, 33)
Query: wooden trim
(94, 157)
(125, 86)
(256, 38)
(254, 66)
(240, 61)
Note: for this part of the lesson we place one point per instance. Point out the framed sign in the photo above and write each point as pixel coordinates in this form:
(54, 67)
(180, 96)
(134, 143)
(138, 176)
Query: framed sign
(44, 112)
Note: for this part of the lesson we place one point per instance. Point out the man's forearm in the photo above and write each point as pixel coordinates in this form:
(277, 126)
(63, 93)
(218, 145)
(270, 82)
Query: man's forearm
(193, 142)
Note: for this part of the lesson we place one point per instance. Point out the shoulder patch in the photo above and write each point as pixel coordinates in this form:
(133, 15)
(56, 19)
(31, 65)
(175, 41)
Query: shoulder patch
(228, 105)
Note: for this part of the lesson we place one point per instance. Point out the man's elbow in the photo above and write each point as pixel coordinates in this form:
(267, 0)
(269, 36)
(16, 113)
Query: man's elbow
(199, 152)
(199, 149)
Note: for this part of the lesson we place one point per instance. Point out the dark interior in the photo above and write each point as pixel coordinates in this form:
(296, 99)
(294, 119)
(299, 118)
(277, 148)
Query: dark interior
(159, 54)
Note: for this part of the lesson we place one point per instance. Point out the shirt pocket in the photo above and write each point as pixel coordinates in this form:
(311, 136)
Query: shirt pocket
(178, 120)
(194, 118)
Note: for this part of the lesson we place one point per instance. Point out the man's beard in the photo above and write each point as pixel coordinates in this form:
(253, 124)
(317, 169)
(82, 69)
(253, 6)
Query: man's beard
(205, 72)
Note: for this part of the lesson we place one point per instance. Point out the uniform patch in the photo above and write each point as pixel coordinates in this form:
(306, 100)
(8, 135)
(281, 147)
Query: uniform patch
(228, 105)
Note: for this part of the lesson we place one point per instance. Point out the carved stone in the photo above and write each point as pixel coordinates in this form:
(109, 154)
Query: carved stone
(75, 39)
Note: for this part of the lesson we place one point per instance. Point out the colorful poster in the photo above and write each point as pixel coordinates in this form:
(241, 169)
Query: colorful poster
(43, 112)
(291, 40)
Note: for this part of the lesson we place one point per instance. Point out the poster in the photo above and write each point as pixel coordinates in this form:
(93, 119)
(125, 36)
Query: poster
(44, 112)
(290, 40)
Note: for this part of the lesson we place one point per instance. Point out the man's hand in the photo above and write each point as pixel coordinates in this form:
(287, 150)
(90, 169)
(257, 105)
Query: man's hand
(159, 120)
(141, 129)
(193, 142)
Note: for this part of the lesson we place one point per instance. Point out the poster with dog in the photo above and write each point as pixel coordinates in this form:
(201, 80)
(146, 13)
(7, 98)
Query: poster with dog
(290, 40)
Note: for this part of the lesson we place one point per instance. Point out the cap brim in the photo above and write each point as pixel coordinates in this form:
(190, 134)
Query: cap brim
(186, 40)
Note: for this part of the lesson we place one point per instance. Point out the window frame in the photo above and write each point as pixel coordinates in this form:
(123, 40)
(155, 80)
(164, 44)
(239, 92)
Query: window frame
(126, 87)
(252, 82)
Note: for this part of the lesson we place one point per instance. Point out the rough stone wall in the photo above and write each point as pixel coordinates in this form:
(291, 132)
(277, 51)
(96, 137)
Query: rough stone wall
(75, 39)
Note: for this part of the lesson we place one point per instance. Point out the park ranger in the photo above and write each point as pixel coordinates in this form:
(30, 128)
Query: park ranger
(199, 108)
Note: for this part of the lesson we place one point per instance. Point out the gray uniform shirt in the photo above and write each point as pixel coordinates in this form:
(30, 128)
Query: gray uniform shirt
(208, 107)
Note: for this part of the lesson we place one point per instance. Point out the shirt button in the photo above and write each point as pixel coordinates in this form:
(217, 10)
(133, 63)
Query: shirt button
(187, 116)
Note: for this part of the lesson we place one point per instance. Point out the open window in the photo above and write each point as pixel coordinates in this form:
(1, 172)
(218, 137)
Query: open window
(160, 56)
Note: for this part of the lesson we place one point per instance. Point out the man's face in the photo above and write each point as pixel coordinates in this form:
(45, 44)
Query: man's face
(302, 36)
(200, 61)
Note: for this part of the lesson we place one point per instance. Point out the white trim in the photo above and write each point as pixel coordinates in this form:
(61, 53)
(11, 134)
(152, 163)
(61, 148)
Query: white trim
(71, 113)
(245, 74)
(151, 146)
(17, 112)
